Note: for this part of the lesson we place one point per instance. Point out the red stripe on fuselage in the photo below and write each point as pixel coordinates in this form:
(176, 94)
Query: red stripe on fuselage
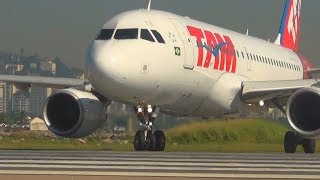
(306, 65)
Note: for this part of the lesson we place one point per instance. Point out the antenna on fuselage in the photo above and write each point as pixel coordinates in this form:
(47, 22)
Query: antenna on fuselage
(247, 33)
(149, 5)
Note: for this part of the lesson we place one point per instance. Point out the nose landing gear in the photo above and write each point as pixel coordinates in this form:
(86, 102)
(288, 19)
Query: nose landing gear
(147, 139)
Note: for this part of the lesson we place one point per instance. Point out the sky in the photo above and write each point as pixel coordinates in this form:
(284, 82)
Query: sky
(65, 28)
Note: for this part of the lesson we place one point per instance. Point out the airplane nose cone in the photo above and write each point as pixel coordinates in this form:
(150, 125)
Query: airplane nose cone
(105, 63)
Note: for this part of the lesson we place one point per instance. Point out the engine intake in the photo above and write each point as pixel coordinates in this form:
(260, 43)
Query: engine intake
(303, 112)
(72, 113)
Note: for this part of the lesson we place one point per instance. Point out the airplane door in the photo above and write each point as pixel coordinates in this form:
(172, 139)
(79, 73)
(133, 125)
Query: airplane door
(246, 54)
(188, 46)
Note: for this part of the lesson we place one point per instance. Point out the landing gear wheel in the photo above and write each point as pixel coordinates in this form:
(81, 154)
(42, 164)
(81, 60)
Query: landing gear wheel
(309, 145)
(139, 141)
(160, 140)
(151, 141)
(290, 142)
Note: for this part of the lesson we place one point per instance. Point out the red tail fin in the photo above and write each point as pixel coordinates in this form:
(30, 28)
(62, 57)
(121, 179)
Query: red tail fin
(290, 25)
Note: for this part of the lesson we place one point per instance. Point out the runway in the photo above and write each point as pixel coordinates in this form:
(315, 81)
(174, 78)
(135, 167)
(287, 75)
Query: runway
(145, 164)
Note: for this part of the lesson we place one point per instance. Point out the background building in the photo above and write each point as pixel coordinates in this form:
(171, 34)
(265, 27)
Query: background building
(3, 101)
(48, 66)
(38, 97)
(20, 103)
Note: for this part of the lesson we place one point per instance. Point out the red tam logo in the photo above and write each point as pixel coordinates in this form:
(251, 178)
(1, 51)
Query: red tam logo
(221, 47)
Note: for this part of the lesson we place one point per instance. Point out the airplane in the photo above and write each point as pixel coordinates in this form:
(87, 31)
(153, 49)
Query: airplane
(158, 61)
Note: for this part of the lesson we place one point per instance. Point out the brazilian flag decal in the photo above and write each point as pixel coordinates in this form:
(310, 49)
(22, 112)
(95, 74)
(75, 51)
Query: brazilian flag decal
(177, 51)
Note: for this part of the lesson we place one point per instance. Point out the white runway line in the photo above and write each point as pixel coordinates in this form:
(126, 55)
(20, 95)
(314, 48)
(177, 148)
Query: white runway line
(151, 174)
(279, 166)
(26, 162)
(94, 167)
(168, 160)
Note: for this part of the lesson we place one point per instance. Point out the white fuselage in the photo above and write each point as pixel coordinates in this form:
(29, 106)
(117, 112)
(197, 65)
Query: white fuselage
(170, 76)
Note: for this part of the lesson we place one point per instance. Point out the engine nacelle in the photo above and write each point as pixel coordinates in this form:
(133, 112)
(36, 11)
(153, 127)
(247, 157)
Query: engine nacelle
(303, 112)
(73, 114)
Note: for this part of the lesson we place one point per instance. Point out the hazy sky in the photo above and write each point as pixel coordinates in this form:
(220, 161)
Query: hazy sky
(65, 28)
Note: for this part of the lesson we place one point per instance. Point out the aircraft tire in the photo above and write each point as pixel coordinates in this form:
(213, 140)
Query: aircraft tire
(160, 140)
(309, 146)
(151, 141)
(290, 142)
(139, 141)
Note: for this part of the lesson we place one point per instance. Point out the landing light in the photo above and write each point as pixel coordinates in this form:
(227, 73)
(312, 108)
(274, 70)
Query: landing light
(261, 103)
(140, 110)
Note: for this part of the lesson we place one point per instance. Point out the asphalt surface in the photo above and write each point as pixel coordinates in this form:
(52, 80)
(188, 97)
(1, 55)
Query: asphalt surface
(82, 164)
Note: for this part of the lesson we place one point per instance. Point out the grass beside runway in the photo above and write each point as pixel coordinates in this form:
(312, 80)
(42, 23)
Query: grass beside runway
(241, 135)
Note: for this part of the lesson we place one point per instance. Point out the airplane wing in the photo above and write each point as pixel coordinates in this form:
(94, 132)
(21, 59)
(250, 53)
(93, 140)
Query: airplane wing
(272, 91)
(23, 82)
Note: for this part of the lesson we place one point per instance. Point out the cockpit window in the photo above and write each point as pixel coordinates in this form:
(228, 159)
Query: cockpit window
(158, 36)
(126, 34)
(145, 34)
(105, 34)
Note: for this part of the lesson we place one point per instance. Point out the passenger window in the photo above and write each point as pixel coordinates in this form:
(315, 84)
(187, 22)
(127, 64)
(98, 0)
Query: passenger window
(158, 36)
(145, 34)
(105, 34)
(242, 54)
(126, 34)
(237, 53)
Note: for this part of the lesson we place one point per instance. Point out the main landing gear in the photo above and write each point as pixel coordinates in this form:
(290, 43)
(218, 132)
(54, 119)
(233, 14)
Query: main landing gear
(147, 139)
(292, 140)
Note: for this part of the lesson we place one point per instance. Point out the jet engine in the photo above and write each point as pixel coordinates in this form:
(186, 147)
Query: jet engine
(303, 112)
(73, 113)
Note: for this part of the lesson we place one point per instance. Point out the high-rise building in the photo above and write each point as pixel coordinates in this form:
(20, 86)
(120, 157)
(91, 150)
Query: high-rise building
(20, 102)
(38, 97)
(10, 90)
(3, 101)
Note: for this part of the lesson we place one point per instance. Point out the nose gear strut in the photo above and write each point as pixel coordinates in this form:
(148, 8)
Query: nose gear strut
(147, 138)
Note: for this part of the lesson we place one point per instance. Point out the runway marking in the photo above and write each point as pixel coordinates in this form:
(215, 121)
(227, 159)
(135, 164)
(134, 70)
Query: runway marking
(215, 165)
(238, 169)
(231, 164)
(151, 174)
(167, 160)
